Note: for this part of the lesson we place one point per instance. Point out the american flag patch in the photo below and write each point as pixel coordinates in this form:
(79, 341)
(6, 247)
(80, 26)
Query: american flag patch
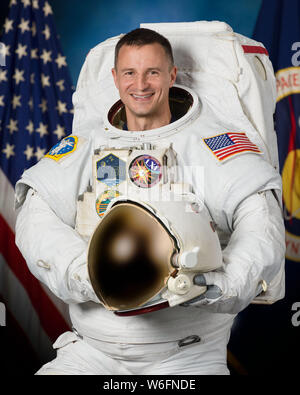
(224, 145)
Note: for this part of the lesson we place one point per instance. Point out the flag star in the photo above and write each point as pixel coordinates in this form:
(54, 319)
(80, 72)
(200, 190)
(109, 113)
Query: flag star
(60, 84)
(43, 105)
(60, 132)
(9, 150)
(35, 4)
(33, 29)
(28, 152)
(45, 80)
(21, 51)
(61, 61)
(24, 25)
(40, 152)
(12, 2)
(4, 49)
(8, 25)
(16, 101)
(3, 75)
(71, 111)
(12, 126)
(47, 9)
(26, 2)
(30, 103)
(1, 100)
(34, 54)
(42, 130)
(46, 56)
(30, 127)
(46, 32)
(18, 76)
(61, 107)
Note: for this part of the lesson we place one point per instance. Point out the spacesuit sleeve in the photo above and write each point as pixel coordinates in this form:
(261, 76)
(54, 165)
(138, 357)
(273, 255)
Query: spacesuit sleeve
(55, 253)
(254, 255)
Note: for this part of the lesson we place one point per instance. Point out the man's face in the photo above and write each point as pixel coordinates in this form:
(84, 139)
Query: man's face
(143, 76)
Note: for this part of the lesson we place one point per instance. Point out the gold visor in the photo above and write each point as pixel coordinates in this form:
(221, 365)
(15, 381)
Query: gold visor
(129, 256)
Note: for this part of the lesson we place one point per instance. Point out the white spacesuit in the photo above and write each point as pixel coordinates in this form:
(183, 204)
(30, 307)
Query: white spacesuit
(241, 189)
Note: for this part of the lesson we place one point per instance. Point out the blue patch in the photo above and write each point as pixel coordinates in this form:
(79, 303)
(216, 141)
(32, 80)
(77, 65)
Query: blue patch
(111, 170)
(63, 148)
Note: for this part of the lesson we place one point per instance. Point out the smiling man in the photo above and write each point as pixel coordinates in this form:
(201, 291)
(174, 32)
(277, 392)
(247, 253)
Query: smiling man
(144, 72)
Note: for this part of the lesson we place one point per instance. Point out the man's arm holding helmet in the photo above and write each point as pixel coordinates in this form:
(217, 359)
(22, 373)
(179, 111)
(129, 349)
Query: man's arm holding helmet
(253, 256)
(55, 253)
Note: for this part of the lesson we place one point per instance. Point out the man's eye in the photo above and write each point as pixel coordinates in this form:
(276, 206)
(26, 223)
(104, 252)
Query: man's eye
(129, 73)
(153, 72)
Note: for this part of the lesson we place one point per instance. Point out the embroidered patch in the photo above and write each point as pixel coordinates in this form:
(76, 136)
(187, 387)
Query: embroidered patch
(225, 145)
(104, 199)
(63, 148)
(145, 171)
(111, 170)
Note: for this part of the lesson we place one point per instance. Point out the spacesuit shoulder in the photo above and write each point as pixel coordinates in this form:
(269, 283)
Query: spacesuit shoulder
(233, 167)
(66, 148)
(60, 176)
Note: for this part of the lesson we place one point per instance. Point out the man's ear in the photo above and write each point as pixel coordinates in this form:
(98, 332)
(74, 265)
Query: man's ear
(173, 74)
(114, 74)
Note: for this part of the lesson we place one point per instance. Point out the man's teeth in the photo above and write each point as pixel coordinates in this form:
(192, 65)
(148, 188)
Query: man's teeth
(142, 97)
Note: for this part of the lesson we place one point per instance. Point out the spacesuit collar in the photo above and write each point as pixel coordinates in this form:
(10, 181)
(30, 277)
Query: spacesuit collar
(173, 119)
(184, 105)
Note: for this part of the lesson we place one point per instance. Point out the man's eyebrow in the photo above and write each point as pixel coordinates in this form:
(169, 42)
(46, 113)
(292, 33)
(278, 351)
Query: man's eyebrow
(127, 69)
(132, 69)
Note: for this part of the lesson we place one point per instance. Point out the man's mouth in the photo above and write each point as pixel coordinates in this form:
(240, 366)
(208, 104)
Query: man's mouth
(142, 97)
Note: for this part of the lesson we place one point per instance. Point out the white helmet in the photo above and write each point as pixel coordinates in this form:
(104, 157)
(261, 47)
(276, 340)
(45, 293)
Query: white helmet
(143, 257)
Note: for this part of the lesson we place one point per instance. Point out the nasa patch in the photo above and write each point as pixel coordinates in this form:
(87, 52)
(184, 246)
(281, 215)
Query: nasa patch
(145, 171)
(64, 147)
(104, 199)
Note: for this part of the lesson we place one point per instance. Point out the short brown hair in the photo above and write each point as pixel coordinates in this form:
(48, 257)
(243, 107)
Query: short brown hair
(141, 36)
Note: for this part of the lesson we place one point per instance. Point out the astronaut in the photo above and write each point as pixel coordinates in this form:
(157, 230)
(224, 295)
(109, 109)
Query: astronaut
(239, 186)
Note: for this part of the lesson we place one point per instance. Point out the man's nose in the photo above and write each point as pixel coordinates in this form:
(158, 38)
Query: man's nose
(142, 82)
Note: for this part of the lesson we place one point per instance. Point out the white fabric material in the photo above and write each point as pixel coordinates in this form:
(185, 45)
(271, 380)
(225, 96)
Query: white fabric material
(87, 357)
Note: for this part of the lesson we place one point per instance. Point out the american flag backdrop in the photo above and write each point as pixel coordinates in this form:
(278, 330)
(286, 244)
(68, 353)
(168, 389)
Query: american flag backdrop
(35, 113)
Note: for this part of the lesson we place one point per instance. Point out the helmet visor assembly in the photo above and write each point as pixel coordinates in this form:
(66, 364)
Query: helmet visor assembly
(130, 256)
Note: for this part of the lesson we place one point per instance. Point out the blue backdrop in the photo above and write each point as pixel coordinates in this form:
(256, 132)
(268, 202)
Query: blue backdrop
(83, 24)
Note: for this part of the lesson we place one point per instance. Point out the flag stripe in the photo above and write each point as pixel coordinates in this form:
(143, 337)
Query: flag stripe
(51, 320)
(255, 49)
(7, 201)
(235, 151)
(240, 146)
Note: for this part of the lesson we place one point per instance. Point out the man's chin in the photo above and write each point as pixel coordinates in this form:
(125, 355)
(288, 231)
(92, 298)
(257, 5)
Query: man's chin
(142, 113)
